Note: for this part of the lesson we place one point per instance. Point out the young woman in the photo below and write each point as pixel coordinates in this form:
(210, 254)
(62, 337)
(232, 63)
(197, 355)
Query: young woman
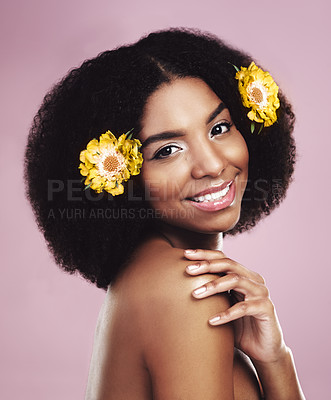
(199, 137)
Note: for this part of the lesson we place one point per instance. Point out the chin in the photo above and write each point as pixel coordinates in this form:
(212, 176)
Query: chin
(222, 223)
(212, 225)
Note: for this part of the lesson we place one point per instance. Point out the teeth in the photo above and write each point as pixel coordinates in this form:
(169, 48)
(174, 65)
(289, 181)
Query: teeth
(212, 196)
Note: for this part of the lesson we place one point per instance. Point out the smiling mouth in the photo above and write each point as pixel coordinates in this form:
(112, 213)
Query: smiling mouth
(210, 197)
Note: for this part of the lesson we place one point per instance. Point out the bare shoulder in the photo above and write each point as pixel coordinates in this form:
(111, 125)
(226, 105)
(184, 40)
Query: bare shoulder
(165, 329)
(157, 275)
(185, 356)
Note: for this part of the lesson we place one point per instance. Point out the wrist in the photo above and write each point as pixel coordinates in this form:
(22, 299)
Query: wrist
(278, 377)
(284, 355)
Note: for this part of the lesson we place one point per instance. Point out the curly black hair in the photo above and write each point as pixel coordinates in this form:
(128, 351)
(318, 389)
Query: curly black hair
(95, 234)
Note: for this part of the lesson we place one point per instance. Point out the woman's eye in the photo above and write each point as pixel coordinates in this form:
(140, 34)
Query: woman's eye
(166, 151)
(220, 128)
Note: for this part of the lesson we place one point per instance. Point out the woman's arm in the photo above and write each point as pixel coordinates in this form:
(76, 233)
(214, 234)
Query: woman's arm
(256, 327)
(187, 358)
(279, 379)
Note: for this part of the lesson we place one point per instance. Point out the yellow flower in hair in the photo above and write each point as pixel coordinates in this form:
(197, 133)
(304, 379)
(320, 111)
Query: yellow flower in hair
(258, 92)
(107, 162)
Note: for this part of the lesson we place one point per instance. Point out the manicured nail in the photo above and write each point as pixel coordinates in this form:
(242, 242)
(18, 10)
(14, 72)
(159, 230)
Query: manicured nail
(190, 251)
(192, 267)
(215, 319)
(200, 290)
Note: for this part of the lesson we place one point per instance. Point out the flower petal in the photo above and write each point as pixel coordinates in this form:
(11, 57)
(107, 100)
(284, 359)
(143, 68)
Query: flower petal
(264, 110)
(96, 169)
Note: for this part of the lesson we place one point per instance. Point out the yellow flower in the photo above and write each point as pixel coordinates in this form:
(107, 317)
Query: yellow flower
(258, 92)
(107, 162)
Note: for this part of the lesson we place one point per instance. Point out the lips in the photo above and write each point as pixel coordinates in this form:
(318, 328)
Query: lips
(215, 201)
(211, 190)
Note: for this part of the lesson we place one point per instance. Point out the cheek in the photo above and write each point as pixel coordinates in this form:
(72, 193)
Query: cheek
(241, 158)
(238, 153)
(164, 182)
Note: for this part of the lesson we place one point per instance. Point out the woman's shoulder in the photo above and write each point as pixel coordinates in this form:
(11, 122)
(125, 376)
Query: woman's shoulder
(155, 260)
(171, 327)
(156, 278)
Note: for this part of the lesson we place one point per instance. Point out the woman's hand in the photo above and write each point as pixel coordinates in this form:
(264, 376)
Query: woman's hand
(256, 327)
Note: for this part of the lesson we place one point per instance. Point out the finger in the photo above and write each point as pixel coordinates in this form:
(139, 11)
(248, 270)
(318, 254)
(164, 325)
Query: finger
(249, 288)
(262, 309)
(201, 254)
(223, 266)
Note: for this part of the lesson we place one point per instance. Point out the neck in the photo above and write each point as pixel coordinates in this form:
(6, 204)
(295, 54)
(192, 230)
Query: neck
(185, 239)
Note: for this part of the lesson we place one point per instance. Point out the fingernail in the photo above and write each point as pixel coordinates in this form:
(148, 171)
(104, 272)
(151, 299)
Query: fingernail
(190, 251)
(200, 290)
(192, 267)
(215, 319)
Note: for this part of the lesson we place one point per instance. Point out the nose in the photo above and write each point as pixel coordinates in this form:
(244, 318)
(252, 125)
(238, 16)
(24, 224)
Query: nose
(208, 159)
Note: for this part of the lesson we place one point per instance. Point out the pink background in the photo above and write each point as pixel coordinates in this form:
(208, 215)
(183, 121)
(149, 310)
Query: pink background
(47, 317)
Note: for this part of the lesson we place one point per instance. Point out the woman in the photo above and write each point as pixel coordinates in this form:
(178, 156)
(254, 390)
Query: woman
(185, 162)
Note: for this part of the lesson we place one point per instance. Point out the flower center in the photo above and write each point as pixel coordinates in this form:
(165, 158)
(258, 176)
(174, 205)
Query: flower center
(111, 164)
(258, 94)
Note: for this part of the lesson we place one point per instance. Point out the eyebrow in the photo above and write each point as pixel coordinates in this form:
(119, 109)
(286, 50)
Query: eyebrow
(215, 113)
(176, 134)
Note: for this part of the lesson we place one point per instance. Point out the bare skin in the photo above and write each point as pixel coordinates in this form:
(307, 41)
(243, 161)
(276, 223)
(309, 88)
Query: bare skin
(153, 339)
(256, 327)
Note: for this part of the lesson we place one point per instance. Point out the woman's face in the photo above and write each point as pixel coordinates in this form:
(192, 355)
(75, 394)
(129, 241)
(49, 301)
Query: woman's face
(195, 160)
